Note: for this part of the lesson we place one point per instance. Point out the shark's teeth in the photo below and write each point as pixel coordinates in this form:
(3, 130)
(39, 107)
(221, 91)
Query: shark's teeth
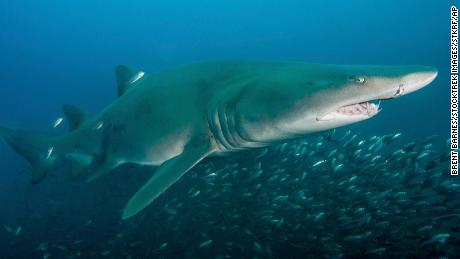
(365, 108)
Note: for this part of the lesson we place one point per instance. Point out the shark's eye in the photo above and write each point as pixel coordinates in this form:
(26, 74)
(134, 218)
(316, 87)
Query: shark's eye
(357, 79)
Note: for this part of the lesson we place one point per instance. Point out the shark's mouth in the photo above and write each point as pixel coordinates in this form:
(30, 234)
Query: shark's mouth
(369, 108)
(357, 111)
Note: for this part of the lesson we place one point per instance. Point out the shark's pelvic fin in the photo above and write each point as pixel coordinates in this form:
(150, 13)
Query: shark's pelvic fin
(74, 115)
(37, 148)
(79, 164)
(100, 166)
(126, 78)
(166, 175)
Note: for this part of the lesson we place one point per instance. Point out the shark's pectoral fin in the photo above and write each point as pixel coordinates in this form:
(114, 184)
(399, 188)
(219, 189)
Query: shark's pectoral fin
(167, 174)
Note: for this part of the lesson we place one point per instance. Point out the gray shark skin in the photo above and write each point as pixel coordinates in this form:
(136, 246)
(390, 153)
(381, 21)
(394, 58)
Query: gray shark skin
(176, 118)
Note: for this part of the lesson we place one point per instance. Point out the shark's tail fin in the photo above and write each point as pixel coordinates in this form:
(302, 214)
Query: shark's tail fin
(37, 148)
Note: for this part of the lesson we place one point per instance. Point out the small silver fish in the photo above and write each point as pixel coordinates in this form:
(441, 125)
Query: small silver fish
(196, 193)
(57, 122)
(319, 163)
(99, 125)
(137, 77)
(50, 152)
(205, 243)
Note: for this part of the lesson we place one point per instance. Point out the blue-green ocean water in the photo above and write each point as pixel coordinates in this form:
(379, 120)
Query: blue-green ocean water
(59, 52)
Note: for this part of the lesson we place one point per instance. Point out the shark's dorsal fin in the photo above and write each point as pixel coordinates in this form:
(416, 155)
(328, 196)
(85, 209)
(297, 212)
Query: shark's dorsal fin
(126, 78)
(74, 115)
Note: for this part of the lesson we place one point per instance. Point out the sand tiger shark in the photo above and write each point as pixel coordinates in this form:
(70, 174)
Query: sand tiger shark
(175, 118)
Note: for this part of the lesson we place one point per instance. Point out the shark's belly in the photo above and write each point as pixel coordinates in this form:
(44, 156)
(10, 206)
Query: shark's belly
(148, 131)
(145, 144)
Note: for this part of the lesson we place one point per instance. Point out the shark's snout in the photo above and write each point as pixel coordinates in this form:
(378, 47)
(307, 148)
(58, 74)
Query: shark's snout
(387, 84)
(416, 80)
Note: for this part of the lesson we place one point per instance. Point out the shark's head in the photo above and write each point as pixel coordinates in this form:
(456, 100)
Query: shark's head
(298, 99)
